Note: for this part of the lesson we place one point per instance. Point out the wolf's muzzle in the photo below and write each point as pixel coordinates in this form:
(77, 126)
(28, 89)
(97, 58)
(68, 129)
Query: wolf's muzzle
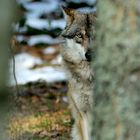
(88, 55)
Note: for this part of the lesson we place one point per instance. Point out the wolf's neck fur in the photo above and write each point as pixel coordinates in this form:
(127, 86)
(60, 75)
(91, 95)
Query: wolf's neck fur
(80, 88)
(75, 61)
(81, 71)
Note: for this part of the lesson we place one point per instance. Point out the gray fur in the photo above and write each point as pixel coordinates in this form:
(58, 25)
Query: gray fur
(79, 71)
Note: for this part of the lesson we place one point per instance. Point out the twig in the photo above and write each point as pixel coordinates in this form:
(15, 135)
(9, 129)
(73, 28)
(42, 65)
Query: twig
(13, 44)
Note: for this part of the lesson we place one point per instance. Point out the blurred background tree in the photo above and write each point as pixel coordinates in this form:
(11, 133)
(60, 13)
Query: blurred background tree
(7, 13)
(117, 71)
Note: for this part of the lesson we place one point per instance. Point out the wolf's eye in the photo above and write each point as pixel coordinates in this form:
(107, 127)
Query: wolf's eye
(78, 38)
(79, 35)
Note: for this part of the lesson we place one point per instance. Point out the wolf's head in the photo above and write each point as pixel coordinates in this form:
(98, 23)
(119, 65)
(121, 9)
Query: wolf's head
(79, 31)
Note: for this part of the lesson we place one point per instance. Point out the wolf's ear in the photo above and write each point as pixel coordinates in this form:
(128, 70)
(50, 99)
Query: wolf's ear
(68, 13)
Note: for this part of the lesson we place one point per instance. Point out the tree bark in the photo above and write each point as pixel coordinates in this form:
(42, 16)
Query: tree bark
(117, 71)
(6, 15)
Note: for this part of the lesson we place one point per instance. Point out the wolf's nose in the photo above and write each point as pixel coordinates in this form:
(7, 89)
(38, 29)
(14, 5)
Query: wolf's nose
(88, 55)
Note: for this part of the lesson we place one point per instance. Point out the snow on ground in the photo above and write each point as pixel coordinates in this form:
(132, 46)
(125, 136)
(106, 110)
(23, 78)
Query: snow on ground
(24, 73)
(57, 60)
(36, 39)
(88, 1)
(35, 9)
(49, 50)
(46, 39)
(45, 24)
(87, 10)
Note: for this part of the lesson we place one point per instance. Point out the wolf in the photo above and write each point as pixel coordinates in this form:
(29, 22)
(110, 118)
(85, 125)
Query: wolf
(76, 51)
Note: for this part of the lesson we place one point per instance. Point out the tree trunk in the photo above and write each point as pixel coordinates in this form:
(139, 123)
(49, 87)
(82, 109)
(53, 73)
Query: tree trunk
(117, 71)
(6, 15)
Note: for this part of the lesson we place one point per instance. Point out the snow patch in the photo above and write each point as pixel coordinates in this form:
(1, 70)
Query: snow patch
(57, 60)
(38, 8)
(37, 39)
(45, 24)
(25, 74)
(49, 50)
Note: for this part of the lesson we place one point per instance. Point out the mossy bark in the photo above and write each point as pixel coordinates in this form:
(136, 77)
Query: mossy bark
(117, 71)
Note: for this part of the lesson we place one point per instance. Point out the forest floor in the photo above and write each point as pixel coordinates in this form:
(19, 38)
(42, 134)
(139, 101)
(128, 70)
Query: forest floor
(42, 114)
(40, 108)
